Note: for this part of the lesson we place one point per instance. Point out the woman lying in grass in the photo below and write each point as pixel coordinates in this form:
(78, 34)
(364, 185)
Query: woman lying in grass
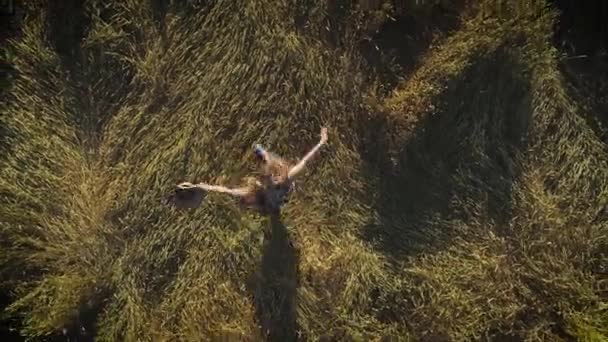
(265, 195)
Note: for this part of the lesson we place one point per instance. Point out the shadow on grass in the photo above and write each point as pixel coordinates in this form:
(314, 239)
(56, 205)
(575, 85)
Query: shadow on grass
(395, 49)
(581, 35)
(8, 326)
(68, 24)
(275, 286)
(462, 155)
(587, 81)
(84, 327)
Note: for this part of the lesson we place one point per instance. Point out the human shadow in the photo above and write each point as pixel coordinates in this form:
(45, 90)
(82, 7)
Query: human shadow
(458, 165)
(275, 283)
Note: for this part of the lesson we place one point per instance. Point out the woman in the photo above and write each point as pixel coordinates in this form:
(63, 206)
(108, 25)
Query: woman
(265, 195)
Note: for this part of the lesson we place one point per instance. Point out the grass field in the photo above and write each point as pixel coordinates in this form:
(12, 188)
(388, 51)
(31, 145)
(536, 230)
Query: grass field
(462, 196)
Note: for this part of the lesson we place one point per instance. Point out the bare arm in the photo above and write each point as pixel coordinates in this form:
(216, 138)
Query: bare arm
(239, 192)
(294, 171)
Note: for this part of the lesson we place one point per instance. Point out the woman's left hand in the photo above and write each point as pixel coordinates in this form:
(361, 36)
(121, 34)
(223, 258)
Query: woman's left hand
(323, 135)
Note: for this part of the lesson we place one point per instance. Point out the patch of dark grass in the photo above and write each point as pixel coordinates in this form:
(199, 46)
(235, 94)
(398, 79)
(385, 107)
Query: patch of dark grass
(396, 46)
(67, 25)
(464, 151)
(581, 36)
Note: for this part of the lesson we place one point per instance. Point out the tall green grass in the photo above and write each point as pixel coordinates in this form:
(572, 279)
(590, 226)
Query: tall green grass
(465, 205)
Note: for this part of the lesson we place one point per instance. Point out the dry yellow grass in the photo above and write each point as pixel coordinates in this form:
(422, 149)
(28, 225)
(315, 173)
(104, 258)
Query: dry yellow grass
(468, 204)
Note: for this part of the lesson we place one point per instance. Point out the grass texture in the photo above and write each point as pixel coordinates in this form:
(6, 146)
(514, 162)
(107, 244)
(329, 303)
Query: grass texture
(467, 202)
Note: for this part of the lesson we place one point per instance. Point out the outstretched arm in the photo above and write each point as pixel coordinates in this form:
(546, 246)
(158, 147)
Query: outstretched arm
(302, 163)
(216, 188)
(239, 192)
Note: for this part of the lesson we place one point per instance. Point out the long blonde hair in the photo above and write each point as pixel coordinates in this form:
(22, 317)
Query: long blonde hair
(275, 170)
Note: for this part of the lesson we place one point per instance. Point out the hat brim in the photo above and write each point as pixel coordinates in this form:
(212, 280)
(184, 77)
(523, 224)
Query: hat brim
(187, 196)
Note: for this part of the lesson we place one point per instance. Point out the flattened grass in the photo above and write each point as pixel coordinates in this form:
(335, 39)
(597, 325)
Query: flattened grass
(466, 205)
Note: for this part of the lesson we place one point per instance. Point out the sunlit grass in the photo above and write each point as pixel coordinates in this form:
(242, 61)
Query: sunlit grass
(476, 210)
